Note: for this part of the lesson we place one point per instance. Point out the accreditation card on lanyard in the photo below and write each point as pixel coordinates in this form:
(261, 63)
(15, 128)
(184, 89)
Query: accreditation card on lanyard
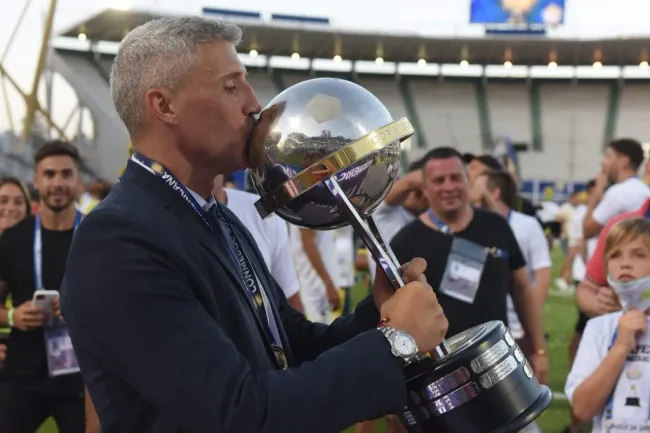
(222, 229)
(61, 359)
(465, 265)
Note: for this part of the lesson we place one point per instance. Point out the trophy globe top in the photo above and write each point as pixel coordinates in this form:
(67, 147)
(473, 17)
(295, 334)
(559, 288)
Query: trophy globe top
(326, 128)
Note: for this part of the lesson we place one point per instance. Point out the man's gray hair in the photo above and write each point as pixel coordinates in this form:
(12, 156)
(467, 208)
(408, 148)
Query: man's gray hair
(159, 54)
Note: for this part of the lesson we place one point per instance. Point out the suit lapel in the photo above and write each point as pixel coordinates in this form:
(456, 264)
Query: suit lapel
(175, 204)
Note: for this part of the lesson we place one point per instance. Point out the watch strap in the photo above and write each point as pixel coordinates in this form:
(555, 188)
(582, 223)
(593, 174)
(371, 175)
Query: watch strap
(389, 333)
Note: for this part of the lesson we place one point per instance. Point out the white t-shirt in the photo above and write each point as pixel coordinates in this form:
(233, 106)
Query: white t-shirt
(312, 287)
(390, 220)
(626, 196)
(565, 212)
(271, 236)
(344, 238)
(534, 246)
(575, 235)
(633, 383)
(548, 211)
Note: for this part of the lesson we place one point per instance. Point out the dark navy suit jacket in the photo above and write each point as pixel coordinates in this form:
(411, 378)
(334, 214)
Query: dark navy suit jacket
(168, 343)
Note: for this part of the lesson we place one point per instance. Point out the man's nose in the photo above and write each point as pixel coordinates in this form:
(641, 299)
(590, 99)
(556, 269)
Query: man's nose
(447, 185)
(252, 105)
(57, 180)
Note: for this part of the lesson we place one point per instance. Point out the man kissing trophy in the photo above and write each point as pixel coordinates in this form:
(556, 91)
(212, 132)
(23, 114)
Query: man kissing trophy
(327, 160)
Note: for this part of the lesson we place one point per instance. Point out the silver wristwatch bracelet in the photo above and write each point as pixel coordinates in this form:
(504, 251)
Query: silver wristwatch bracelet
(401, 343)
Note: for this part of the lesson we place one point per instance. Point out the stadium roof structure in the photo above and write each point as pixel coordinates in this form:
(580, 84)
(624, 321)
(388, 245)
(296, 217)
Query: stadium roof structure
(272, 39)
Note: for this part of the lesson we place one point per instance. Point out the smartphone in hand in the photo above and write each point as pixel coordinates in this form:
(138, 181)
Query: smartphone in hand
(43, 299)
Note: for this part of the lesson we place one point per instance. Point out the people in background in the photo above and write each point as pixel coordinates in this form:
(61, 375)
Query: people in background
(15, 206)
(96, 193)
(646, 172)
(579, 252)
(609, 381)
(473, 258)
(317, 268)
(627, 192)
(270, 234)
(564, 217)
(403, 204)
(482, 164)
(346, 254)
(547, 212)
(498, 192)
(32, 256)
(15, 202)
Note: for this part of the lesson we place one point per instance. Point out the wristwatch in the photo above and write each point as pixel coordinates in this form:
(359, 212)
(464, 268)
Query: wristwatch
(402, 344)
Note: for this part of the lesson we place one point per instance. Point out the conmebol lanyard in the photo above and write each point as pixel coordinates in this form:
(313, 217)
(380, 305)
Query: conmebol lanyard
(219, 226)
(38, 248)
(58, 346)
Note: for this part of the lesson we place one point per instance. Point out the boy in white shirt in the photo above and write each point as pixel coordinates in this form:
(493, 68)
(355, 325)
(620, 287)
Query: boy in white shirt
(610, 377)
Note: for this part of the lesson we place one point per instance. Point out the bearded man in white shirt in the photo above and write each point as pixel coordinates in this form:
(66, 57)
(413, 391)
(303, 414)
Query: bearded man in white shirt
(618, 187)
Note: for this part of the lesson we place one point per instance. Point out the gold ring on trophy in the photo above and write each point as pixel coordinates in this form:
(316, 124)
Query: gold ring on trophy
(343, 158)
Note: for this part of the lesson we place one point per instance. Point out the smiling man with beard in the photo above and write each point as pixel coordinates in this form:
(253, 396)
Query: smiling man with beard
(32, 256)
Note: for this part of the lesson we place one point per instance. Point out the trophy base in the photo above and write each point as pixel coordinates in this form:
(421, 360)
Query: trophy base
(530, 414)
(485, 385)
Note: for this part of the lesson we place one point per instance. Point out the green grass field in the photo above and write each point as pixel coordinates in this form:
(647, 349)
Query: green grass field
(560, 316)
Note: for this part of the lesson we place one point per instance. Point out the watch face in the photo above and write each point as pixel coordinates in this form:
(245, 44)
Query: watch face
(404, 345)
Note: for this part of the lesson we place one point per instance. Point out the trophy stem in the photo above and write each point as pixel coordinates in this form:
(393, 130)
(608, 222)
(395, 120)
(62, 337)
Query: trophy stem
(380, 250)
(371, 237)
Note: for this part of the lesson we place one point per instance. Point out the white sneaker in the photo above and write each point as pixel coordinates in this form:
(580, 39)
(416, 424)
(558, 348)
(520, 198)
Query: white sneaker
(561, 285)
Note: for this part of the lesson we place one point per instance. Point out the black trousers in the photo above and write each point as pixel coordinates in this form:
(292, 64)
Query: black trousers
(23, 410)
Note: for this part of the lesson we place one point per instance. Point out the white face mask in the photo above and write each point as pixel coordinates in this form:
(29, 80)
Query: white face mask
(632, 294)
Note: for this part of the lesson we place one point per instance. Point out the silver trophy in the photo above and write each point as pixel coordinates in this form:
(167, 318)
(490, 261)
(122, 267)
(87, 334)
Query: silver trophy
(328, 154)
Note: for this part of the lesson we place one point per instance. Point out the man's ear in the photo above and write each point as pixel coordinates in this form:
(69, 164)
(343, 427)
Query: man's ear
(497, 194)
(159, 103)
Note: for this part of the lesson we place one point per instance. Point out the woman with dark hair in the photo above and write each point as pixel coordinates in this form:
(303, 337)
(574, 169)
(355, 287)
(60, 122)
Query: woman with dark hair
(15, 202)
(15, 205)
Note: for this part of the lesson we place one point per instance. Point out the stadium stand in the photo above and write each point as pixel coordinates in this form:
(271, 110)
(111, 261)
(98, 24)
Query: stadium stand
(632, 119)
(89, 80)
(449, 113)
(510, 113)
(563, 121)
